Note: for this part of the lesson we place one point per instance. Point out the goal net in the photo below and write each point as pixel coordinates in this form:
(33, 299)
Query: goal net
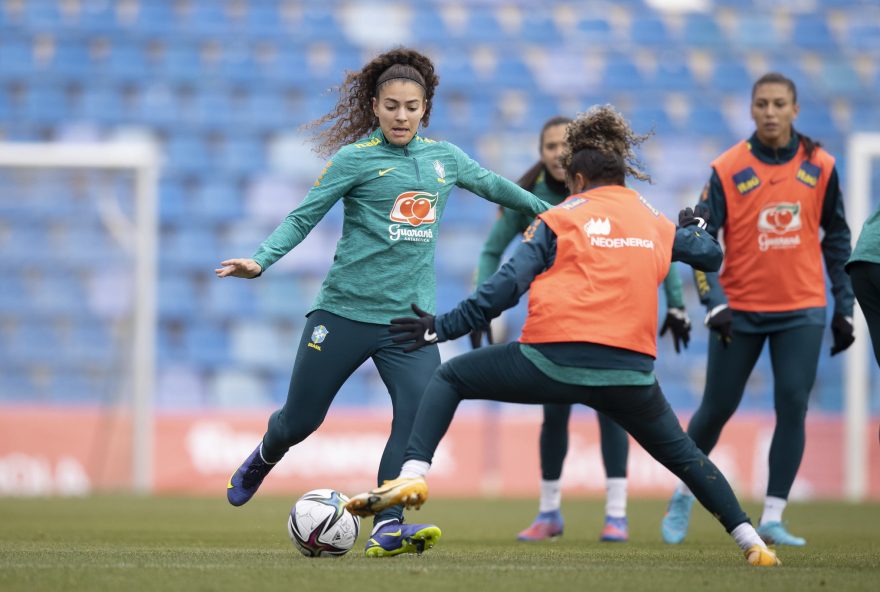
(77, 317)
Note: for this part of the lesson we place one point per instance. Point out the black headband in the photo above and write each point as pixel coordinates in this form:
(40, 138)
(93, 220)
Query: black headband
(380, 82)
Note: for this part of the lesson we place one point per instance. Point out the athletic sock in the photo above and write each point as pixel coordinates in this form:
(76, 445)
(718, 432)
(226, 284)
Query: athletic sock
(615, 497)
(551, 496)
(773, 507)
(414, 468)
(683, 489)
(747, 537)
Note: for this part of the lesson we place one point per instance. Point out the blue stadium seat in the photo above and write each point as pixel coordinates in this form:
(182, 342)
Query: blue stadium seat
(98, 17)
(756, 31)
(230, 299)
(126, 61)
(282, 62)
(706, 118)
(673, 75)
(649, 30)
(186, 152)
(702, 30)
(729, 75)
(621, 74)
(189, 247)
(158, 105)
(43, 16)
(811, 32)
(72, 59)
(58, 293)
(91, 342)
(206, 343)
(181, 63)
(456, 72)
(99, 103)
(481, 25)
(177, 296)
(262, 19)
(838, 77)
(219, 199)
(595, 31)
(512, 72)
(862, 36)
(647, 117)
(539, 29)
(266, 109)
(16, 57)
(815, 119)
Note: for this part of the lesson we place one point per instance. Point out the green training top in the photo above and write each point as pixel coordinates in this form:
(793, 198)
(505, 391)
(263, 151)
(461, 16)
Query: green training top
(394, 197)
(868, 244)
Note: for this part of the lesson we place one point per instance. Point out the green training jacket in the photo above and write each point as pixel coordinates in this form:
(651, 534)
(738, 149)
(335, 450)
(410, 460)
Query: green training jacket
(393, 198)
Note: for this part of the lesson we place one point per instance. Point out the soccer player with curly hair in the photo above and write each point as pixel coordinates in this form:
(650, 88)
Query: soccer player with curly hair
(593, 265)
(394, 184)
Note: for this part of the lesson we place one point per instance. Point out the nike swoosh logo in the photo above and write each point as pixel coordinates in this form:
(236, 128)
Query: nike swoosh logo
(430, 336)
(391, 533)
(384, 172)
(230, 485)
(775, 181)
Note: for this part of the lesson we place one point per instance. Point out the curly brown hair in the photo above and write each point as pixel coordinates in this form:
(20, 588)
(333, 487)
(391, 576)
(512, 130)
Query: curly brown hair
(601, 146)
(353, 115)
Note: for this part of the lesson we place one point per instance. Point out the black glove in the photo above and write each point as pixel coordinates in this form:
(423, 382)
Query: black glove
(688, 217)
(418, 329)
(476, 337)
(842, 330)
(720, 320)
(678, 322)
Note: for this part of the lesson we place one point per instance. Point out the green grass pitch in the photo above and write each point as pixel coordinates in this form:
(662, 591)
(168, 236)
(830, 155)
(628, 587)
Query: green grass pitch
(131, 543)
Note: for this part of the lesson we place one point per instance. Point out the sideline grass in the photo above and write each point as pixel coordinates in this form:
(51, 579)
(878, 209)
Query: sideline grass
(130, 543)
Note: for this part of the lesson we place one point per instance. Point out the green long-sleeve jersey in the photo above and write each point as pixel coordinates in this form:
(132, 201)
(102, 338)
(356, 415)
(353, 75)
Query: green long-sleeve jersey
(868, 245)
(511, 224)
(393, 198)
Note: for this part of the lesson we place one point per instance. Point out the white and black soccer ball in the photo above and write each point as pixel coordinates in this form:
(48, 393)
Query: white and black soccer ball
(320, 526)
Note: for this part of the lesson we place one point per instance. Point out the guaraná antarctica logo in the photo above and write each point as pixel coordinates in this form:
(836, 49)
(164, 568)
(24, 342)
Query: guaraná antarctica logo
(779, 219)
(413, 209)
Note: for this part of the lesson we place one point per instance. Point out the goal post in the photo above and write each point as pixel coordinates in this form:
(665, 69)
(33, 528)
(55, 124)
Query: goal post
(142, 161)
(861, 149)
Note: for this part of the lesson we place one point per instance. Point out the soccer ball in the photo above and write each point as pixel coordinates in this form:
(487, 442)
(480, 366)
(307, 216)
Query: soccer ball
(320, 526)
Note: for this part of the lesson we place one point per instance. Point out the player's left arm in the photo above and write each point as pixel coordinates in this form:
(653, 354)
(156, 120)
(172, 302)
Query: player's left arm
(503, 289)
(837, 246)
(494, 187)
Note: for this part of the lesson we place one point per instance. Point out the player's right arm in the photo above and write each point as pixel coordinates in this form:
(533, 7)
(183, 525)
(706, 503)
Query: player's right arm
(503, 289)
(708, 287)
(334, 182)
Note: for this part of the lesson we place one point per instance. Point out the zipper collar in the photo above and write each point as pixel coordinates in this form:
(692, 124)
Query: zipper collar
(770, 155)
(405, 150)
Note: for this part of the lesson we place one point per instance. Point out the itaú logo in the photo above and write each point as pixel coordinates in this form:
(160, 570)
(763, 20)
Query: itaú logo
(415, 208)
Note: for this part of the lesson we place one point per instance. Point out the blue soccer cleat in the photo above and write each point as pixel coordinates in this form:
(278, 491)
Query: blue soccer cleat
(394, 538)
(247, 479)
(774, 533)
(674, 526)
(616, 530)
(546, 527)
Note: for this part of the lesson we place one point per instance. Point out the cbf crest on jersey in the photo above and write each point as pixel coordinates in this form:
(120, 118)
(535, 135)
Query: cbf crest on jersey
(319, 334)
(440, 170)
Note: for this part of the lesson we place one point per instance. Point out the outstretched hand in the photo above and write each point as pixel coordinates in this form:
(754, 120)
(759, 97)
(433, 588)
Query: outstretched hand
(243, 268)
(419, 329)
(679, 323)
(698, 215)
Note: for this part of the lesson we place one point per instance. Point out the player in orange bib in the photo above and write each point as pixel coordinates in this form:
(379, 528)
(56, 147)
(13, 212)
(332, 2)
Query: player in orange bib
(770, 196)
(593, 265)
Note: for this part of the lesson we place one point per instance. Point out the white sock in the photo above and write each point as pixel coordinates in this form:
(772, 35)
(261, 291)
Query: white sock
(683, 489)
(381, 524)
(414, 468)
(615, 497)
(747, 537)
(551, 496)
(773, 507)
